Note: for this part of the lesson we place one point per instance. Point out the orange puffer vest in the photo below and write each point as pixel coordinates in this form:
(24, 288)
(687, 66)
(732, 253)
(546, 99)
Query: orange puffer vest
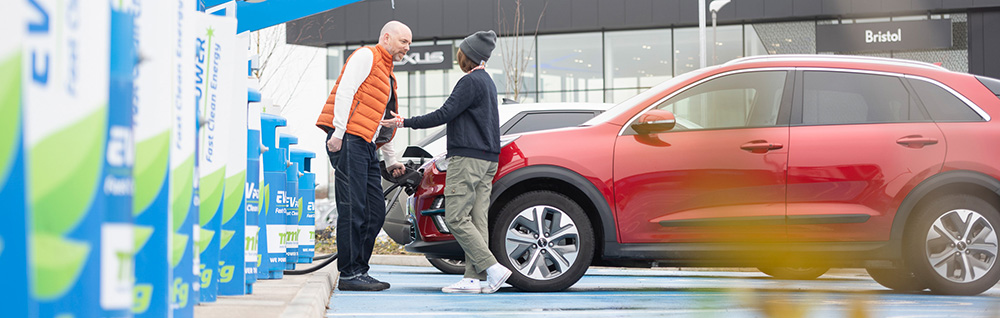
(369, 103)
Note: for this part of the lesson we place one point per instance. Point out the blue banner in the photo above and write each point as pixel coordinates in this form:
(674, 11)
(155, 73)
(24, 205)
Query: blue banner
(183, 120)
(13, 222)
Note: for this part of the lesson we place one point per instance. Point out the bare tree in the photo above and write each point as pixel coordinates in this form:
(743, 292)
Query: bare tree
(275, 56)
(516, 55)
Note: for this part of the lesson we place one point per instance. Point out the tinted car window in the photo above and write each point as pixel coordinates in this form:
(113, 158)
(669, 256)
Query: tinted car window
(740, 100)
(548, 120)
(941, 104)
(854, 98)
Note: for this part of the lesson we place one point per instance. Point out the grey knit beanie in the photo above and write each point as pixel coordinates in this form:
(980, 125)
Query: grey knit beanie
(478, 46)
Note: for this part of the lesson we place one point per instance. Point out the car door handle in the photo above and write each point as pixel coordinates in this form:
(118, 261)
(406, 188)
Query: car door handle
(760, 146)
(916, 141)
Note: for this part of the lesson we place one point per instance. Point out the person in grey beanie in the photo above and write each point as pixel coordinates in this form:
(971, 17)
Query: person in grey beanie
(473, 152)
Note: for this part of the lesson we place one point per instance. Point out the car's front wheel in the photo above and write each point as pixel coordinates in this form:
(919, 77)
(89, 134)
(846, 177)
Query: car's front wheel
(545, 238)
(952, 245)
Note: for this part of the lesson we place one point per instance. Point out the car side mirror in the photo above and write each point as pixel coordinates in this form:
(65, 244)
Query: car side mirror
(655, 121)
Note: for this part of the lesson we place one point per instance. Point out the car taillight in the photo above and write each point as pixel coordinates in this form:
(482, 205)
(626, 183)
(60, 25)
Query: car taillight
(438, 203)
(436, 213)
(441, 164)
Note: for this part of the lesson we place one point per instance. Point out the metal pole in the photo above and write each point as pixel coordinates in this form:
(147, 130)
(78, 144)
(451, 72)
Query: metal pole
(701, 32)
(715, 42)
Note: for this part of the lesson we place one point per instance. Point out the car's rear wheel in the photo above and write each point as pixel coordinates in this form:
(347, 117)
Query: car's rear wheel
(952, 245)
(448, 266)
(797, 273)
(898, 279)
(545, 239)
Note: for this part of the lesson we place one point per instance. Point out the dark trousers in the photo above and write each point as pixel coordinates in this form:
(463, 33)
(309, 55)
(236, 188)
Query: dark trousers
(360, 204)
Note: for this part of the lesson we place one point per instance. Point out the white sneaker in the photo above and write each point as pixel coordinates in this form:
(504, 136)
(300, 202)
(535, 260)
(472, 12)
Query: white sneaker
(464, 286)
(496, 275)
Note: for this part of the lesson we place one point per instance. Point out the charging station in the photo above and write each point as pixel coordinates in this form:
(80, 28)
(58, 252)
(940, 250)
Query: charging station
(291, 202)
(271, 249)
(307, 204)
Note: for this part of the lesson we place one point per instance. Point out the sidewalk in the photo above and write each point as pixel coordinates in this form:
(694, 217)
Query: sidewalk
(293, 296)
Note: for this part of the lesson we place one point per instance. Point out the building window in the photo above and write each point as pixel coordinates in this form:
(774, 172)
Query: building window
(571, 67)
(728, 46)
(514, 55)
(635, 61)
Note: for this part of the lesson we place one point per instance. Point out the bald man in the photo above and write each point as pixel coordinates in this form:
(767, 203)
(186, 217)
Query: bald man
(365, 94)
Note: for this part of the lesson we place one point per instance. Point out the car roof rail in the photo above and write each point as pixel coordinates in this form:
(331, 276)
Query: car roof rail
(830, 57)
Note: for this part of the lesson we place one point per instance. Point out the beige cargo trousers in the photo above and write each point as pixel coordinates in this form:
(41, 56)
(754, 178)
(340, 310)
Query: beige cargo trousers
(467, 201)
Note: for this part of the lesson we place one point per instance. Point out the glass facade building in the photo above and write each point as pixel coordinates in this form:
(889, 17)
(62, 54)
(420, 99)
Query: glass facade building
(611, 66)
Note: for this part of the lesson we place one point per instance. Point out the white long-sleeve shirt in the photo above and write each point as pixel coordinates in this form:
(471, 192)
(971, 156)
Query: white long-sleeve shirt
(358, 67)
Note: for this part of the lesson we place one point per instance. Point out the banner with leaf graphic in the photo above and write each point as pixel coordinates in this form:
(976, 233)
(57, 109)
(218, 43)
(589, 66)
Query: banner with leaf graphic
(13, 222)
(183, 118)
(232, 280)
(215, 47)
(153, 103)
(78, 154)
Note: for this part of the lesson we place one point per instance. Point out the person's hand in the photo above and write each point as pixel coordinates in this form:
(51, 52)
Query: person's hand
(333, 144)
(394, 122)
(396, 169)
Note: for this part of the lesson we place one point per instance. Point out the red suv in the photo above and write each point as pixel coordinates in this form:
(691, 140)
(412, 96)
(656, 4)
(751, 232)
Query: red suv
(766, 161)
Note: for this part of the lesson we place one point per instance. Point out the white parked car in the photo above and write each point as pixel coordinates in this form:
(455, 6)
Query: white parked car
(519, 118)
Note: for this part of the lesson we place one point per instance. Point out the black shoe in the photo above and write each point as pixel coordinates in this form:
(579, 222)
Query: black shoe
(370, 279)
(360, 284)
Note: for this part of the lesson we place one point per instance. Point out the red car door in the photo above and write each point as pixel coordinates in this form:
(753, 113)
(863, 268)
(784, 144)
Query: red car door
(858, 143)
(718, 175)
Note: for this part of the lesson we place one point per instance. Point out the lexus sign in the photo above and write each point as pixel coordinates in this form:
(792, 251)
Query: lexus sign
(884, 36)
(422, 58)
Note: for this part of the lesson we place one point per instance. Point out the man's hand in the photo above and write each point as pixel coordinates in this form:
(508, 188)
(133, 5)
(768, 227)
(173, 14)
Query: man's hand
(333, 144)
(394, 122)
(396, 169)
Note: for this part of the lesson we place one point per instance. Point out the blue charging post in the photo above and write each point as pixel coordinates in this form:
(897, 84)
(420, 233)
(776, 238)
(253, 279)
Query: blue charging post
(291, 202)
(270, 249)
(254, 151)
(307, 198)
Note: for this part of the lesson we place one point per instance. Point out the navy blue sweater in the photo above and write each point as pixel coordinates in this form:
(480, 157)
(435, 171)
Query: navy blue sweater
(471, 114)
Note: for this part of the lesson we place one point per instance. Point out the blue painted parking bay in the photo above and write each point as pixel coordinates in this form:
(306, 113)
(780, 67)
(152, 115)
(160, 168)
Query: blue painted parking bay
(612, 292)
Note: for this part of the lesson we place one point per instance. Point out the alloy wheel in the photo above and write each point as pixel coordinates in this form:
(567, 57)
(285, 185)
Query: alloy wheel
(542, 242)
(961, 246)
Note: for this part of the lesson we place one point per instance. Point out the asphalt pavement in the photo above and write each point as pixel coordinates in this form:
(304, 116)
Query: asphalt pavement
(603, 292)
(660, 292)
